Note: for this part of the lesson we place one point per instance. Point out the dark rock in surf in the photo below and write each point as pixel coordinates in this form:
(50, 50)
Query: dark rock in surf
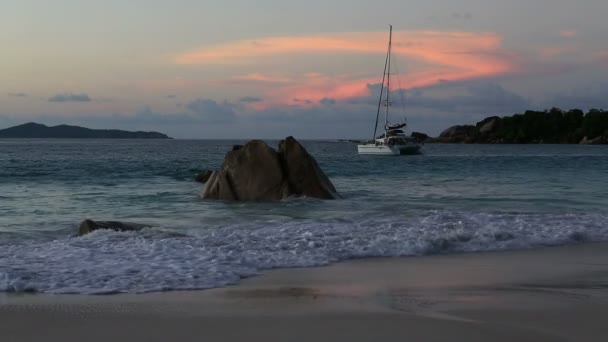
(252, 173)
(203, 176)
(304, 176)
(256, 172)
(89, 226)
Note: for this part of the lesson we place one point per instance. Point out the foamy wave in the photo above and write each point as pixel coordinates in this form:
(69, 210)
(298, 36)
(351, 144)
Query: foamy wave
(154, 260)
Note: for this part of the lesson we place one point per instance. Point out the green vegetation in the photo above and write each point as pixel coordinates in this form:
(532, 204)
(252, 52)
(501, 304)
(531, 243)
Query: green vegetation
(554, 126)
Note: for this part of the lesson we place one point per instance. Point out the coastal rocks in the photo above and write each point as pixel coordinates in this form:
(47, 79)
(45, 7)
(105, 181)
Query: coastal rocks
(89, 226)
(256, 172)
(596, 141)
(489, 125)
(203, 176)
(457, 134)
(420, 137)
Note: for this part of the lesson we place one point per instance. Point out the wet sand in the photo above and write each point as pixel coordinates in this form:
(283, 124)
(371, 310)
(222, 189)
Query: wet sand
(549, 294)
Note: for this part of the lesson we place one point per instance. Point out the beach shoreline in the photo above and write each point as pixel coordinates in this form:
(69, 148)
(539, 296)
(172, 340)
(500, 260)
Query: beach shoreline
(553, 293)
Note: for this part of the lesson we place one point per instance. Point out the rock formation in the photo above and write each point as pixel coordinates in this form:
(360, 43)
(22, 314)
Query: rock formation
(420, 137)
(89, 226)
(597, 141)
(489, 125)
(203, 176)
(457, 134)
(304, 176)
(256, 172)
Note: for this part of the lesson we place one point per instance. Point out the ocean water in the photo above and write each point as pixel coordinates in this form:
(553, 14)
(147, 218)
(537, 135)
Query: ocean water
(451, 199)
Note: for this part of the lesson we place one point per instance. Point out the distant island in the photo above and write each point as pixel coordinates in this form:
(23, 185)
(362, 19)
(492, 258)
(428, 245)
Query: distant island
(552, 126)
(34, 130)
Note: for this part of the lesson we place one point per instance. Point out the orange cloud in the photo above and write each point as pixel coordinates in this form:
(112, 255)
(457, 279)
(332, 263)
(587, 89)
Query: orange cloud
(446, 55)
(314, 87)
(440, 46)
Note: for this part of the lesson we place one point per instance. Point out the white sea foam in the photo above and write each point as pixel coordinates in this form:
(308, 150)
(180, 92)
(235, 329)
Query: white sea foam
(196, 258)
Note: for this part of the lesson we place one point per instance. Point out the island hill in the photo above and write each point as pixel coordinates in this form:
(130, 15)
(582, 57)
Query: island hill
(34, 130)
(553, 126)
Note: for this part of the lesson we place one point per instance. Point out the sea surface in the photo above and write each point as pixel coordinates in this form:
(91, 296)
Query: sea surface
(450, 199)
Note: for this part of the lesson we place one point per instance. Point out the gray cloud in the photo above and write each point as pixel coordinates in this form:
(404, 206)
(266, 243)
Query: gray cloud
(586, 98)
(327, 101)
(462, 16)
(250, 99)
(211, 111)
(306, 101)
(17, 95)
(171, 96)
(429, 110)
(478, 97)
(69, 97)
(200, 111)
(483, 97)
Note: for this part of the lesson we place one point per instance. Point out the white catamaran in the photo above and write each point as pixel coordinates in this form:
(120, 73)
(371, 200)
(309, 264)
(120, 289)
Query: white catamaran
(394, 141)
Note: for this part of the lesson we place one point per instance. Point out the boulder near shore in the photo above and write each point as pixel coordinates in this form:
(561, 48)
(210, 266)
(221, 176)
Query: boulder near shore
(89, 226)
(257, 172)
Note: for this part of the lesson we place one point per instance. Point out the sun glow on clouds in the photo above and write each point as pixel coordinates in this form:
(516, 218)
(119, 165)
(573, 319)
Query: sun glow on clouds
(446, 55)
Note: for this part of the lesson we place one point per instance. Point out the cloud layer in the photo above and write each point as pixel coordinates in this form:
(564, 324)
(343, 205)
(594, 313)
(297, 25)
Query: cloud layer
(69, 97)
(17, 95)
(439, 56)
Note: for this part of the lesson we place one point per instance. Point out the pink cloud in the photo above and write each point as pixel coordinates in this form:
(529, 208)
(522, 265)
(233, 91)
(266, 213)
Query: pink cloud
(437, 46)
(446, 55)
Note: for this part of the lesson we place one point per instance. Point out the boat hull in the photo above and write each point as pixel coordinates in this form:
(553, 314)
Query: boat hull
(385, 150)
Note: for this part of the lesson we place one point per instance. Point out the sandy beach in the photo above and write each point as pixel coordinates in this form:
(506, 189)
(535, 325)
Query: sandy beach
(549, 294)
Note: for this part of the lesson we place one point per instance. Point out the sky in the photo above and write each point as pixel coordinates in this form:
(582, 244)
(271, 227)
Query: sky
(269, 68)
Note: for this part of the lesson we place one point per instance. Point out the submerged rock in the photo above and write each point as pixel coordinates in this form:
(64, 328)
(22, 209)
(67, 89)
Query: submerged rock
(256, 172)
(89, 226)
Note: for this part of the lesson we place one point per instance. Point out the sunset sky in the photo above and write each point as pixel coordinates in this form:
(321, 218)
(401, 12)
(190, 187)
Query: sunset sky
(269, 68)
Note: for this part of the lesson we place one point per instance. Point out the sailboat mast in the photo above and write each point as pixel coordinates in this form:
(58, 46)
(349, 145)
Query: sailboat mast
(388, 53)
(388, 76)
(381, 92)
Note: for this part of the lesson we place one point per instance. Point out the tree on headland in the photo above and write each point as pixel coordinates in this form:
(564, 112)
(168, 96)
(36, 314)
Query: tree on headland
(595, 123)
(554, 126)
